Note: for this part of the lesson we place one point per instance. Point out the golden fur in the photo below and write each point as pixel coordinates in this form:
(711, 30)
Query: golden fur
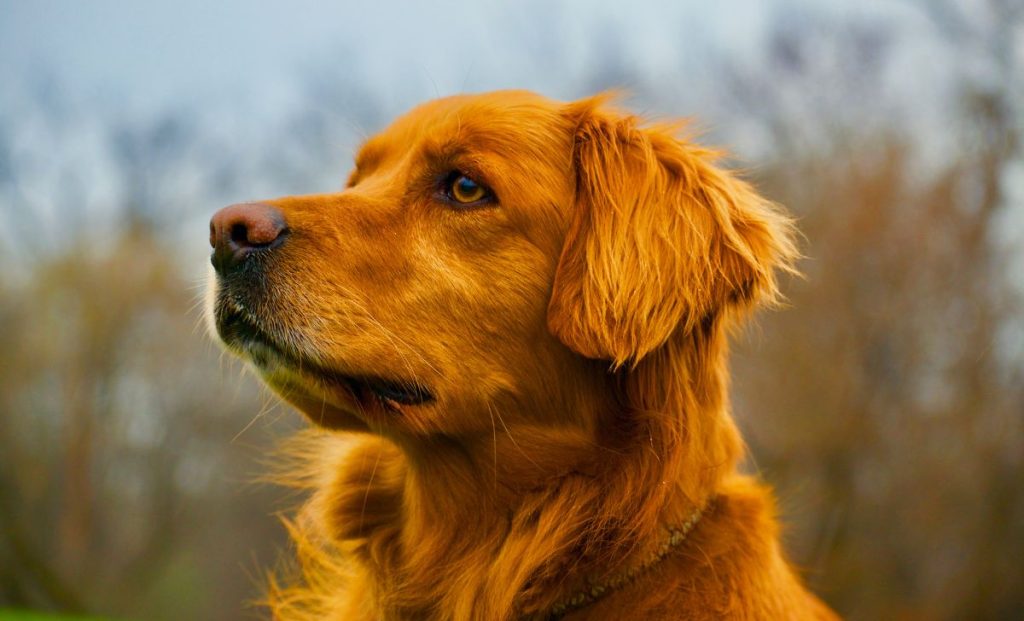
(573, 336)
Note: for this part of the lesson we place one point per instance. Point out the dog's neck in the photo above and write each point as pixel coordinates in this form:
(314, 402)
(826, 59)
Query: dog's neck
(541, 542)
(543, 510)
(596, 589)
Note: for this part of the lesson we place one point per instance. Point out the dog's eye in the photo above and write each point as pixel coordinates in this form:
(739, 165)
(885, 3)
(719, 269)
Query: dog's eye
(462, 190)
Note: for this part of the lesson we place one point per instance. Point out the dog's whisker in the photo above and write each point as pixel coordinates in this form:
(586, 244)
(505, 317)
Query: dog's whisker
(401, 347)
(508, 432)
(396, 341)
(494, 439)
(366, 493)
(267, 406)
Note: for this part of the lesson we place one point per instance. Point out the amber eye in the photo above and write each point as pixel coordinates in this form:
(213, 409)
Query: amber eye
(464, 190)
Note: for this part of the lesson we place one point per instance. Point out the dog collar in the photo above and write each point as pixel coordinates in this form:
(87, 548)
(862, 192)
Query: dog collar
(588, 595)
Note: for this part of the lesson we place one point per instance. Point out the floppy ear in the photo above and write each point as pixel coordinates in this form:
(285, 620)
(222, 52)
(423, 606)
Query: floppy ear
(661, 239)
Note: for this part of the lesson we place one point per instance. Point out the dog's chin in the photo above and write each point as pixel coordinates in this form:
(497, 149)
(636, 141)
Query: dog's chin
(329, 398)
(323, 405)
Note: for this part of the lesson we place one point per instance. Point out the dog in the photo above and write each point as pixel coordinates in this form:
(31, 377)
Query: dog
(511, 330)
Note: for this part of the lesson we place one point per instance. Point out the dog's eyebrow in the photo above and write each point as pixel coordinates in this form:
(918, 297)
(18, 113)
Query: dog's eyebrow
(446, 150)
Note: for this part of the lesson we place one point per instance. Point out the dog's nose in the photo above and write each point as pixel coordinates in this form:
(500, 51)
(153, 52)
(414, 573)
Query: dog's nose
(236, 232)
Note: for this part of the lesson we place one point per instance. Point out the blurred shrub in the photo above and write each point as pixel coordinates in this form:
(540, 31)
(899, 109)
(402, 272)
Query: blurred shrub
(883, 402)
(121, 489)
(27, 615)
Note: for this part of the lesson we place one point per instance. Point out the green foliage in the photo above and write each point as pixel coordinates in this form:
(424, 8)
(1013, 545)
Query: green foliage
(25, 615)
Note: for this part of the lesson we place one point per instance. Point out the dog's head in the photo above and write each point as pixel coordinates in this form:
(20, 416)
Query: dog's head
(492, 256)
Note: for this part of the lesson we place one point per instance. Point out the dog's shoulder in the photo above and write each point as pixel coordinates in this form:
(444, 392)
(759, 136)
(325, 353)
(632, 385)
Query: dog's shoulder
(731, 567)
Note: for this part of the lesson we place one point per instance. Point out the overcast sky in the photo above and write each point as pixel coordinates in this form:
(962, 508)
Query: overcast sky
(146, 54)
(236, 64)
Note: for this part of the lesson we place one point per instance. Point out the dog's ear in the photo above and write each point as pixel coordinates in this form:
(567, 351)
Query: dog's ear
(661, 239)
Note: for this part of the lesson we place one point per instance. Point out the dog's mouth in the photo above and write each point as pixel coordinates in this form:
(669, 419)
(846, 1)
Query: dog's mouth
(245, 336)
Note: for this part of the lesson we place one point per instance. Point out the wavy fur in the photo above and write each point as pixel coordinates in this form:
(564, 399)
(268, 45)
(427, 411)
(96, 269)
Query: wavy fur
(597, 414)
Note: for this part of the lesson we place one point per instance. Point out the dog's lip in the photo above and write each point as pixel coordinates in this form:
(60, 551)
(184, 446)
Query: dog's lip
(237, 330)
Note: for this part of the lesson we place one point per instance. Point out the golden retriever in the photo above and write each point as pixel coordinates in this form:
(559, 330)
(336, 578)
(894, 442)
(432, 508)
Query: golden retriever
(512, 325)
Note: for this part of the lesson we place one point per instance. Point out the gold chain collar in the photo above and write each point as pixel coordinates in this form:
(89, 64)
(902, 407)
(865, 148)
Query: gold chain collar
(588, 595)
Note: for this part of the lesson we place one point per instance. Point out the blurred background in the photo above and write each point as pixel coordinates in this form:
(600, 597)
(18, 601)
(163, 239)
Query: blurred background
(886, 404)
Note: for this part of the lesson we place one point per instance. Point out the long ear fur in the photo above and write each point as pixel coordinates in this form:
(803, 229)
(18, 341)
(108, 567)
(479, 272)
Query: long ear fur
(661, 239)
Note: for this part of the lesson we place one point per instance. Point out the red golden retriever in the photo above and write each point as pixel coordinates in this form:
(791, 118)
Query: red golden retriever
(511, 329)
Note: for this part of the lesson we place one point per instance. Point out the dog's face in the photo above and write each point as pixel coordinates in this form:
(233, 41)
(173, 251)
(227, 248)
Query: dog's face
(492, 255)
(422, 288)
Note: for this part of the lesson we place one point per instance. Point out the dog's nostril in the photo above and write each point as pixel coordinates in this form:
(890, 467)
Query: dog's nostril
(240, 234)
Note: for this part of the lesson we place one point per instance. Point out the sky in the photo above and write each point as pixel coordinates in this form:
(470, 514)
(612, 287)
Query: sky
(242, 67)
(146, 54)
